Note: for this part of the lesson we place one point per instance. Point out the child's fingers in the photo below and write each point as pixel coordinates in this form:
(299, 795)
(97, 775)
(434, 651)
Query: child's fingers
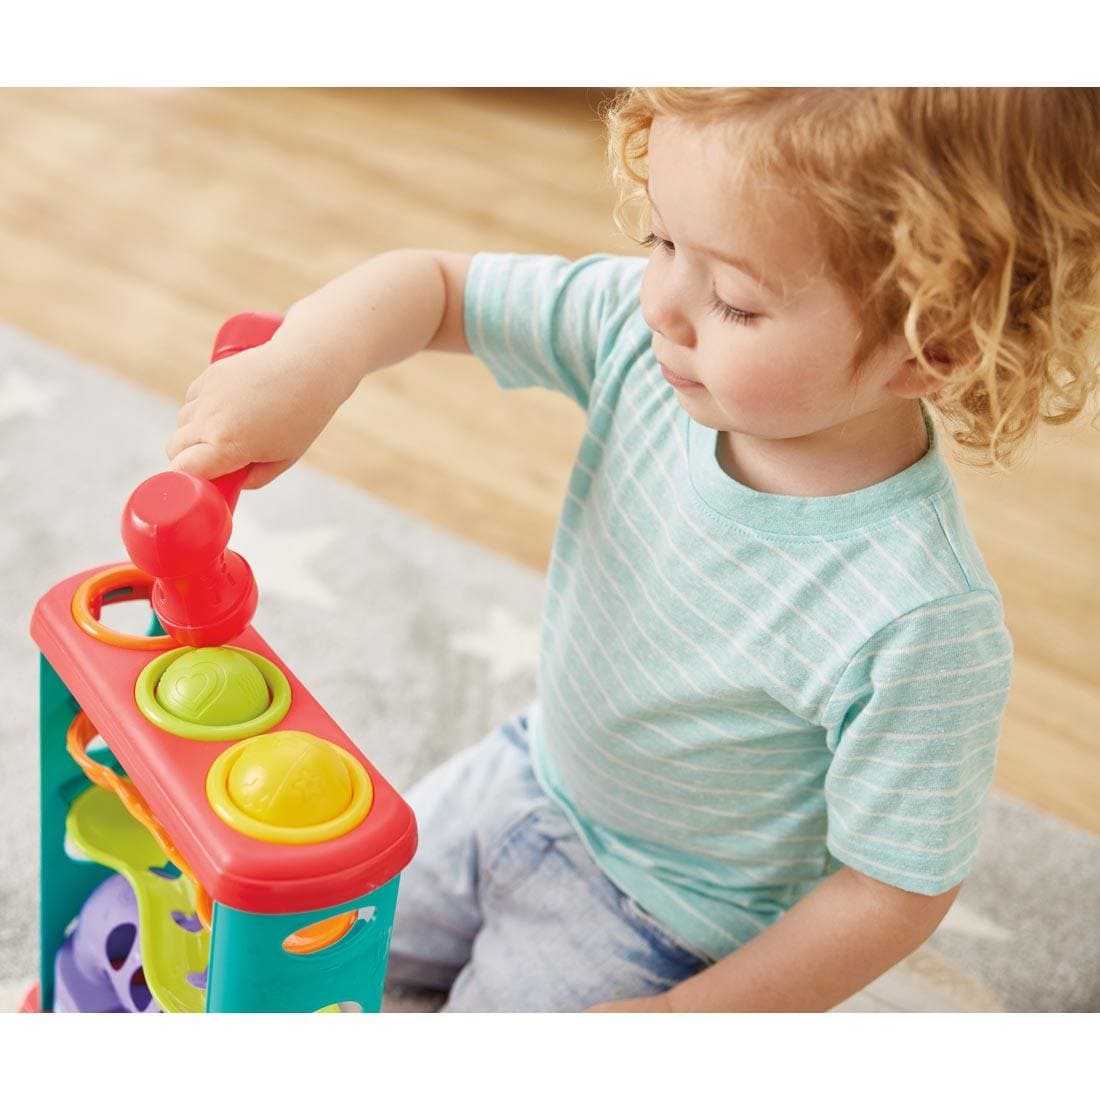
(204, 459)
(264, 472)
(194, 389)
(183, 437)
(193, 455)
(201, 459)
(187, 411)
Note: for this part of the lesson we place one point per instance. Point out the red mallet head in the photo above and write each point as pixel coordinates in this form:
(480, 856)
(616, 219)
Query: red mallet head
(176, 527)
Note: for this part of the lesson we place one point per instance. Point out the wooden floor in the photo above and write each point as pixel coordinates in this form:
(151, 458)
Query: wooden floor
(132, 222)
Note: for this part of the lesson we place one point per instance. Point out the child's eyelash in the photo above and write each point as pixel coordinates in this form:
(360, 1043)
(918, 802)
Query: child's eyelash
(653, 241)
(723, 309)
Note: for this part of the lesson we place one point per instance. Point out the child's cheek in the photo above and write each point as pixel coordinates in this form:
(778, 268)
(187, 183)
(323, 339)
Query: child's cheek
(753, 387)
(762, 397)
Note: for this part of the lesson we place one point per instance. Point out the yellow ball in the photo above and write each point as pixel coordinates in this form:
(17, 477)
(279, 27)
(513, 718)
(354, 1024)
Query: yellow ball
(290, 779)
(213, 686)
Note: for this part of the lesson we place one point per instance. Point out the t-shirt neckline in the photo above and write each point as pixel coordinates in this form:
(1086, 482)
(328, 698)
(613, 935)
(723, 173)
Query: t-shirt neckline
(829, 515)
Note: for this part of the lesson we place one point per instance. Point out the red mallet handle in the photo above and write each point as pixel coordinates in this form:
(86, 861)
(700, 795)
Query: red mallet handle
(246, 330)
(176, 527)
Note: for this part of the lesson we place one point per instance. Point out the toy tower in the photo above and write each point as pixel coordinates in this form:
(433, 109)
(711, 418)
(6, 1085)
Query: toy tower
(262, 848)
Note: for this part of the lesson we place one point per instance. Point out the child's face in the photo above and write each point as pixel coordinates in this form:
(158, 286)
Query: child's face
(765, 354)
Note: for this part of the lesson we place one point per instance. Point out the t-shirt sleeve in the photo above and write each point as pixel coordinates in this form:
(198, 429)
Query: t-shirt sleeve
(546, 321)
(914, 725)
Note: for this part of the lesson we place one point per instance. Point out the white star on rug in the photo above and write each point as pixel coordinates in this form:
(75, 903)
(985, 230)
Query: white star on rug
(282, 560)
(507, 645)
(20, 393)
(967, 922)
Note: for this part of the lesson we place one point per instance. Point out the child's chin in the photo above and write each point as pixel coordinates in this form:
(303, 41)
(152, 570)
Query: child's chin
(703, 414)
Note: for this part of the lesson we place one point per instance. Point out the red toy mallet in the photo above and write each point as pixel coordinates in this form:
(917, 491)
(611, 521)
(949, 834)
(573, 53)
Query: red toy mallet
(176, 528)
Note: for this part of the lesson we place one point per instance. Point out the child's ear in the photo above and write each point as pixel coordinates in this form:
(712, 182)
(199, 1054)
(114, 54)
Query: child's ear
(912, 380)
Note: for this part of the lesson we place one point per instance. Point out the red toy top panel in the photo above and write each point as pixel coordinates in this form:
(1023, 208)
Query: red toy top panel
(171, 772)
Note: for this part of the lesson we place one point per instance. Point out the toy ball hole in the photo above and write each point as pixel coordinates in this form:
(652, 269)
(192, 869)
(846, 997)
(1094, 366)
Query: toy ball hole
(169, 870)
(139, 991)
(189, 922)
(128, 614)
(316, 937)
(197, 979)
(119, 942)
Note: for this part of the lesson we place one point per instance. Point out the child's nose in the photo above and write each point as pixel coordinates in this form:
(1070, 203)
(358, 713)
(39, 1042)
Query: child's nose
(662, 312)
(671, 323)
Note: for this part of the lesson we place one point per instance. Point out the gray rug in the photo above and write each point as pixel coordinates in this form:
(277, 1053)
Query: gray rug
(417, 643)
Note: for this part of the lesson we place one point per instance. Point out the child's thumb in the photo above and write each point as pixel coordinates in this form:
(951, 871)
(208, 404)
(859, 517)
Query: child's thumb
(203, 460)
(263, 473)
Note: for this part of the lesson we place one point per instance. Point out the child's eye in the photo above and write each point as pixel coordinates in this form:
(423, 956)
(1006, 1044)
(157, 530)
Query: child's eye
(723, 309)
(730, 313)
(653, 241)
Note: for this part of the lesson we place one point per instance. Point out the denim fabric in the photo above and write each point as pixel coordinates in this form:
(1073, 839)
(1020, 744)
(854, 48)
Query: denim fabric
(504, 907)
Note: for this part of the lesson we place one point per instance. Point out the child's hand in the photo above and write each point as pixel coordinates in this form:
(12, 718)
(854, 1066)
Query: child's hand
(263, 406)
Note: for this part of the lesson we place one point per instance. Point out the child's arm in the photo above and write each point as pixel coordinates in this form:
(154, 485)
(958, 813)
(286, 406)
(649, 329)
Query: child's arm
(828, 946)
(268, 404)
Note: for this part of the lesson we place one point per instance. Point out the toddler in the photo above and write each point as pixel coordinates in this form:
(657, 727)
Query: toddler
(773, 663)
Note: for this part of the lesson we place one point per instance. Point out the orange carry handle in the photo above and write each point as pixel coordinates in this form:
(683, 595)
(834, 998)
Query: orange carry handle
(80, 735)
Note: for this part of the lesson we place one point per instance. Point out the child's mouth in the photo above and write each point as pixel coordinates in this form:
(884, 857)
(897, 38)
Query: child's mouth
(678, 381)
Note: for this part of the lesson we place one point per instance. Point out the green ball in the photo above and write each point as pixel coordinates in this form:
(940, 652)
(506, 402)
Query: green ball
(214, 686)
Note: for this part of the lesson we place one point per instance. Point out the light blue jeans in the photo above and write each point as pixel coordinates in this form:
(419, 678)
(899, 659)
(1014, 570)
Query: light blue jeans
(504, 907)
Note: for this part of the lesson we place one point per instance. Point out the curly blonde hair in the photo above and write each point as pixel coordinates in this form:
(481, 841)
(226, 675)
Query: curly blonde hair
(966, 218)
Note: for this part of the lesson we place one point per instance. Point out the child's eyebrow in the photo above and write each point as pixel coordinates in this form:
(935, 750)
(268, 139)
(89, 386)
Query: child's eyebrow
(734, 261)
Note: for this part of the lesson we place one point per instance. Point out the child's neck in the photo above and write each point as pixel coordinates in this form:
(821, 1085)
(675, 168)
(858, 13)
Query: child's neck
(842, 459)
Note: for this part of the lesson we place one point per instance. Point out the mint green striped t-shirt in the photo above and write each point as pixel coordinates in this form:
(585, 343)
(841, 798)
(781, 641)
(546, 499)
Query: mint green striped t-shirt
(740, 692)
